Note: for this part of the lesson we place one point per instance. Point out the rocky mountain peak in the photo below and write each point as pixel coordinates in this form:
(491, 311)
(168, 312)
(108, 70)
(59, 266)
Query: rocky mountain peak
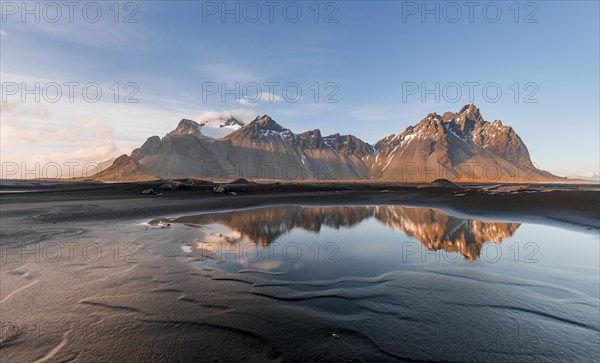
(449, 140)
(187, 122)
(470, 108)
(469, 111)
(263, 129)
(310, 139)
(186, 127)
(265, 122)
(316, 133)
(430, 126)
(468, 118)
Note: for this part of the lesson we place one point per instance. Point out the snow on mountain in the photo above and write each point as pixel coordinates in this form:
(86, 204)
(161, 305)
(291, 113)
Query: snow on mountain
(219, 126)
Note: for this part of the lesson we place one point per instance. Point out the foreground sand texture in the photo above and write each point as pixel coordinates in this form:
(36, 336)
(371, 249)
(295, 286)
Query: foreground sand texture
(85, 278)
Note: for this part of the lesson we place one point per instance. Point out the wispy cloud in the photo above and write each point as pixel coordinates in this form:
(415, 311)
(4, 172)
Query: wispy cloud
(105, 28)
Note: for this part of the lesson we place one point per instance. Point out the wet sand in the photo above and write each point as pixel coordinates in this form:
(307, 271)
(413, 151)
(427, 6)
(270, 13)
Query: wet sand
(83, 279)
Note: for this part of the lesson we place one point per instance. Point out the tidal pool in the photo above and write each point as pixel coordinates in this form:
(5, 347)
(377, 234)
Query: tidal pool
(433, 285)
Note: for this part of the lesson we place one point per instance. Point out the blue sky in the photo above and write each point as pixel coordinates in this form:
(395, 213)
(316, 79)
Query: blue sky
(361, 54)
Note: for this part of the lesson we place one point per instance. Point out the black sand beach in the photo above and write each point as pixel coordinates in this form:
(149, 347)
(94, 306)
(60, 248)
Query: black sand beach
(84, 278)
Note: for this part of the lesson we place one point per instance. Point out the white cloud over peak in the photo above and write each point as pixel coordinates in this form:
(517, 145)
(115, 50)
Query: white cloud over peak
(242, 114)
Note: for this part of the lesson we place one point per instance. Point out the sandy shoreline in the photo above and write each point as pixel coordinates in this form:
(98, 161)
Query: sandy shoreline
(143, 285)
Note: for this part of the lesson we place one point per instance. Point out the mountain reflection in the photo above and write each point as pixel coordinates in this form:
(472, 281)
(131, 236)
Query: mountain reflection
(431, 227)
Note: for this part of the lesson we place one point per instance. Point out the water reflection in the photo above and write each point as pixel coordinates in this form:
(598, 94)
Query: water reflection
(458, 288)
(434, 229)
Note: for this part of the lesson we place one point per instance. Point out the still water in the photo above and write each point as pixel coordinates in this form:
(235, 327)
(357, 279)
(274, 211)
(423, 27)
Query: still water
(507, 290)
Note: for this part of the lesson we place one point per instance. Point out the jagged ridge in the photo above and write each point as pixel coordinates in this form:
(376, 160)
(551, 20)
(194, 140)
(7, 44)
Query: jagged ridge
(458, 146)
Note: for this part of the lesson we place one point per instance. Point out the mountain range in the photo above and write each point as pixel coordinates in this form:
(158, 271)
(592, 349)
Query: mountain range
(459, 146)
